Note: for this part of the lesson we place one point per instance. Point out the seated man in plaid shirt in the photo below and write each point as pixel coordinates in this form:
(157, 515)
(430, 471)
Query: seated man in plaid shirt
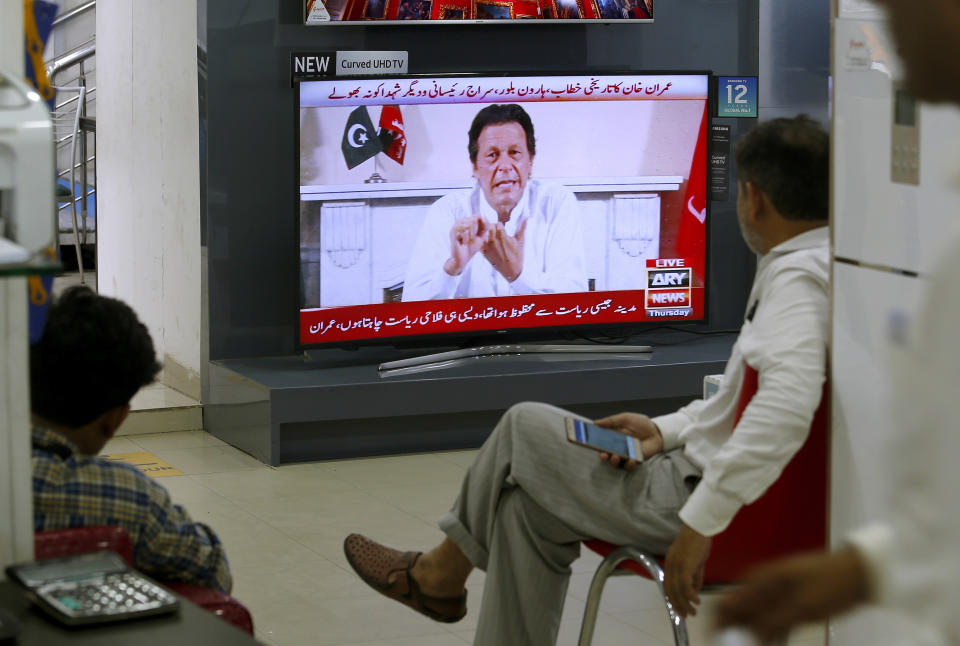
(93, 357)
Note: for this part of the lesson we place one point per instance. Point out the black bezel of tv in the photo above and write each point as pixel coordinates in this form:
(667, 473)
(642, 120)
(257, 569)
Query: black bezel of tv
(510, 335)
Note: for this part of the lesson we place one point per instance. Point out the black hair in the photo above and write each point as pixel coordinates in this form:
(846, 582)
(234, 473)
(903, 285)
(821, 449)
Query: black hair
(494, 115)
(789, 160)
(93, 356)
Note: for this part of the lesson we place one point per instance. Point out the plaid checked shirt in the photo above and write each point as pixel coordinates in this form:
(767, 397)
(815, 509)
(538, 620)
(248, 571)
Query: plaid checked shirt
(75, 490)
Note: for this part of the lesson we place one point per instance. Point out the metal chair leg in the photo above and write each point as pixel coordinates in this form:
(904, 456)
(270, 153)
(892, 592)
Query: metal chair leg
(605, 569)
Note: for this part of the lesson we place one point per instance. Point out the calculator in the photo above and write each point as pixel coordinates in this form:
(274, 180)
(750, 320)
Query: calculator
(92, 588)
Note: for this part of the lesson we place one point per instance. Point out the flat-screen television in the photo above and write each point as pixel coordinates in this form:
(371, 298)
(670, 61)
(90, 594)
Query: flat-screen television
(473, 205)
(338, 12)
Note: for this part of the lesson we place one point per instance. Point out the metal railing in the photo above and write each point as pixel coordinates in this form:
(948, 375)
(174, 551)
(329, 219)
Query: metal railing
(75, 132)
(67, 16)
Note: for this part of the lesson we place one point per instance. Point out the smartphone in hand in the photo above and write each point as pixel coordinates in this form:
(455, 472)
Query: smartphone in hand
(604, 440)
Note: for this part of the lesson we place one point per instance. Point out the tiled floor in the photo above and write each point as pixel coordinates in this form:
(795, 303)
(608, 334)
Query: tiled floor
(283, 529)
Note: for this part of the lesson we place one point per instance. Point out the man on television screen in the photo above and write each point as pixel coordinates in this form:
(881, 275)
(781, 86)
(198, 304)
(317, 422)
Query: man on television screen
(509, 234)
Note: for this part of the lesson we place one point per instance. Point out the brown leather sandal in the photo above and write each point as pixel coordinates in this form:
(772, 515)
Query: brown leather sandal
(375, 563)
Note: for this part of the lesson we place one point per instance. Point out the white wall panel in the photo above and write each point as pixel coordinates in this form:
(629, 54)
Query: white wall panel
(148, 196)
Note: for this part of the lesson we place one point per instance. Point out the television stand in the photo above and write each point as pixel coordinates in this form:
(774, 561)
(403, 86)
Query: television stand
(452, 357)
(282, 409)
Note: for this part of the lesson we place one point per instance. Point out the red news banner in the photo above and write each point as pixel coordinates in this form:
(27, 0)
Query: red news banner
(474, 314)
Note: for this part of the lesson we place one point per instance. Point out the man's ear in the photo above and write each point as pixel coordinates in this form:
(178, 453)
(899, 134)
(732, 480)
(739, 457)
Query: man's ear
(112, 419)
(757, 202)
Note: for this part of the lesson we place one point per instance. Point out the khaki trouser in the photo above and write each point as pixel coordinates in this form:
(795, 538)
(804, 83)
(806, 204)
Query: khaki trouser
(528, 500)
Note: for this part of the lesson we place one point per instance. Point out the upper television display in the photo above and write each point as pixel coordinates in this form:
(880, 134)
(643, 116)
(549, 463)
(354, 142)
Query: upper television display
(319, 12)
(463, 205)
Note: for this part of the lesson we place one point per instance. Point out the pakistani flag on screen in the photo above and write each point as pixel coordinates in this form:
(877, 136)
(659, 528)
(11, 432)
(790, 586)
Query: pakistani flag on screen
(360, 141)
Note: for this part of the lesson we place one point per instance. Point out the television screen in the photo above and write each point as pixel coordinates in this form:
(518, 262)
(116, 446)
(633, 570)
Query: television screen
(333, 12)
(472, 204)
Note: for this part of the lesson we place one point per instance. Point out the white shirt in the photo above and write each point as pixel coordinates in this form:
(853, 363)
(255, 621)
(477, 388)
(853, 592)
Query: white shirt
(786, 342)
(553, 250)
(914, 560)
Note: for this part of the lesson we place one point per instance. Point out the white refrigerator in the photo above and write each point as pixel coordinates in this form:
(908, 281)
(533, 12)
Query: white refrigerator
(895, 207)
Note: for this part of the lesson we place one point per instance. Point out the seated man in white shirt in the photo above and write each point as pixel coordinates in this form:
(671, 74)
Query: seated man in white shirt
(531, 496)
(506, 236)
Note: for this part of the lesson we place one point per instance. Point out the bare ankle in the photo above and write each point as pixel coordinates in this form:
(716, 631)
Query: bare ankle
(435, 577)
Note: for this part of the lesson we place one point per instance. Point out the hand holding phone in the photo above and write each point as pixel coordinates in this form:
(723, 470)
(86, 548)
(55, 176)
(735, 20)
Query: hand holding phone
(609, 442)
(638, 426)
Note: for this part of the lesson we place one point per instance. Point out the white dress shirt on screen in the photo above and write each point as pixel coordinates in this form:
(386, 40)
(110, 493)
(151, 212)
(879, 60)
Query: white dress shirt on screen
(785, 339)
(553, 253)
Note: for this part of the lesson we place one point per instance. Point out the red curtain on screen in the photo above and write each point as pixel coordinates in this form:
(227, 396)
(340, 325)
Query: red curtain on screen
(692, 233)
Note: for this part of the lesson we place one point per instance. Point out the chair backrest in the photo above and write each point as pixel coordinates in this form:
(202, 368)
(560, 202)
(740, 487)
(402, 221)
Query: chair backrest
(791, 516)
(80, 540)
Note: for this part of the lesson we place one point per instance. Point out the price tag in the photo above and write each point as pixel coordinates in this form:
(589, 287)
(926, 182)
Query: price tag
(737, 96)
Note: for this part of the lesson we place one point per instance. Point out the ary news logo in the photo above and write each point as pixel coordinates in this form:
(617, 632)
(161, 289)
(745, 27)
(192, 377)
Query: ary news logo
(668, 292)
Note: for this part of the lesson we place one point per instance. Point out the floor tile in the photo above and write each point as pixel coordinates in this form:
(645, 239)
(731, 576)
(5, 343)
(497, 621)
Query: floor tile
(462, 458)
(209, 459)
(176, 440)
(384, 524)
(403, 470)
(344, 621)
(653, 622)
(220, 513)
(330, 512)
(147, 463)
(427, 503)
(120, 445)
(620, 593)
(442, 639)
(274, 484)
(311, 578)
(185, 490)
(609, 631)
(614, 633)
(700, 628)
(248, 542)
(465, 635)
